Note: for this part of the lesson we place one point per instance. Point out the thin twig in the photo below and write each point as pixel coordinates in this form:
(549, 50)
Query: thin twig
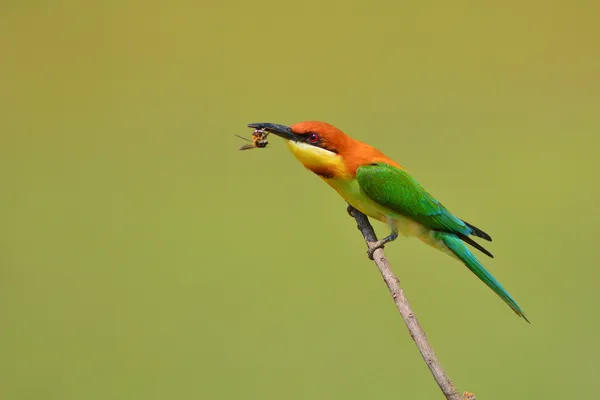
(415, 330)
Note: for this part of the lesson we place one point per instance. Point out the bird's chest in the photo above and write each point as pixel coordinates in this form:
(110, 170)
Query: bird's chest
(351, 192)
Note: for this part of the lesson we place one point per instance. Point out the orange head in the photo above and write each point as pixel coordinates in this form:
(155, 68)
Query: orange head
(324, 149)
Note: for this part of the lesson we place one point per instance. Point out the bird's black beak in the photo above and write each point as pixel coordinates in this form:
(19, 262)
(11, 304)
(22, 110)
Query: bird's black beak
(279, 130)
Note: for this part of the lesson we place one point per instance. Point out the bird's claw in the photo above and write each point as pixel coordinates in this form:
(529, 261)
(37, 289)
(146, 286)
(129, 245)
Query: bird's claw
(380, 244)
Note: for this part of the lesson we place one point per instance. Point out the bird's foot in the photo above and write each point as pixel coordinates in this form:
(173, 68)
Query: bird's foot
(380, 244)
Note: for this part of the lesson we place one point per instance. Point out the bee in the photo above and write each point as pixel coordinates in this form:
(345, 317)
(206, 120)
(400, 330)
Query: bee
(259, 140)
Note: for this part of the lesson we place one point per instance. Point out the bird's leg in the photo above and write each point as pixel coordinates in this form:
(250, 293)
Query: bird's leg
(381, 243)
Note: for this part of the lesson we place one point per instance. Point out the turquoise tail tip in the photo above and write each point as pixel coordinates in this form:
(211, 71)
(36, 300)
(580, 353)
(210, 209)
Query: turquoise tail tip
(461, 251)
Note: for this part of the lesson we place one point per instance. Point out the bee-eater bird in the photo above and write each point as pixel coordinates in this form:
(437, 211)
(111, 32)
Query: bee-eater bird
(381, 189)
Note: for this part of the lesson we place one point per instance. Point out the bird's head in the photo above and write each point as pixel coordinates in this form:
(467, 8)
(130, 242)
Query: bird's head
(317, 145)
(310, 136)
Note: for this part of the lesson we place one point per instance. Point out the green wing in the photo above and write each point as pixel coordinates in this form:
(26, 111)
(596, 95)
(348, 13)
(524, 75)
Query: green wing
(398, 191)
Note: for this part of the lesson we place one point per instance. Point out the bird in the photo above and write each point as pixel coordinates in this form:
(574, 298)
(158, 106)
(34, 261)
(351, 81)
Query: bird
(382, 189)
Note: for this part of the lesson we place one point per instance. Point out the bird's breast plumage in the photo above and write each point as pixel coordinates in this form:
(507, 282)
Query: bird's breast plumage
(351, 192)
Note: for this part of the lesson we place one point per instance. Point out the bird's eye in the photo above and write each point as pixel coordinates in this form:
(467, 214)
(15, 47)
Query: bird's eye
(313, 138)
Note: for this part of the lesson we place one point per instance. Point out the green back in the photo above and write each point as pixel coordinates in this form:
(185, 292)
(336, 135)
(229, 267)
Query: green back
(397, 190)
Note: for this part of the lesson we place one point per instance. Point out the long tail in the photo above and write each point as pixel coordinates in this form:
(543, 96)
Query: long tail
(457, 247)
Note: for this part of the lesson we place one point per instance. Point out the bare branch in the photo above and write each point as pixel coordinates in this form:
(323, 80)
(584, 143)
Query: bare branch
(415, 330)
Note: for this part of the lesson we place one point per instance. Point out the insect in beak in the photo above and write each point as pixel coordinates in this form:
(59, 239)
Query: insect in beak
(259, 140)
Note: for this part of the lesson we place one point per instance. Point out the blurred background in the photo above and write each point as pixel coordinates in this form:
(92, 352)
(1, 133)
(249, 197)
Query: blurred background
(144, 257)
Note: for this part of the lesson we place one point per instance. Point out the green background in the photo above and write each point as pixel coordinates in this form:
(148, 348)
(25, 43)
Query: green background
(143, 257)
